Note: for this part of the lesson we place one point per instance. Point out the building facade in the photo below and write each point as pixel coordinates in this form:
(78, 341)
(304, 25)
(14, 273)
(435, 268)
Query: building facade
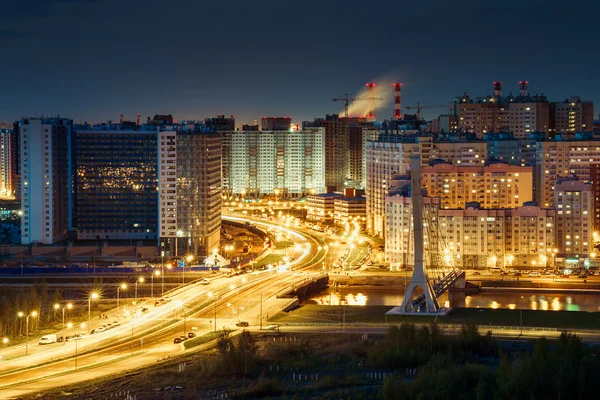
(198, 190)
(573, 115)
(261, 162)
(574, 205)
(321, 207)
(497, 185)
(115, 196)
(7, 167)
(472, 237)
(567, 155)
(46, 187)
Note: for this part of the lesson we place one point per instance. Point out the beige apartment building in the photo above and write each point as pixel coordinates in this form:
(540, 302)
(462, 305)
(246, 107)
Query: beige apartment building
(497, 185)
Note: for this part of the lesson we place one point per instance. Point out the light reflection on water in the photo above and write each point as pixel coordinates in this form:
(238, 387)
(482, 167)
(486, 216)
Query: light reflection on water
(528, 301)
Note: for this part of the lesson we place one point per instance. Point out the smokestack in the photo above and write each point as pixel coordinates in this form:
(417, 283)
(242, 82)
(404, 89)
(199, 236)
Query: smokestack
(397, 102)
(497, 89)
(121, 119)
(138, 120)
(371, 98)
(523, 87)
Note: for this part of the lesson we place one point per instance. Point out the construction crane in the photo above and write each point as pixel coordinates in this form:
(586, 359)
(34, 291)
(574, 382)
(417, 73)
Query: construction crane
(419, 107)
(348, 100)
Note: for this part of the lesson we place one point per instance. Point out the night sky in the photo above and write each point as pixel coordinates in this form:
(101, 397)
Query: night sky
(92, 60)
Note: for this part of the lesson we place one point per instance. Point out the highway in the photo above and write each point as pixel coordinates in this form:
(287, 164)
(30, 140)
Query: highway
(143, 338)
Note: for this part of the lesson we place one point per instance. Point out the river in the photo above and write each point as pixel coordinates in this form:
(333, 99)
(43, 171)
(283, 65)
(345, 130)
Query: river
(528, 301)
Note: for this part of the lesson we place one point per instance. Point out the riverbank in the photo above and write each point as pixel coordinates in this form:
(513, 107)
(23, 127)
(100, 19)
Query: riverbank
(390, 280)
(559, 320)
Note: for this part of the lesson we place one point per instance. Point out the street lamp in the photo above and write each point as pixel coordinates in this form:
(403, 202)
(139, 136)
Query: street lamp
(179, 234)
(5, 341)
(20, 315)
(214, 297)
(76, 338)
(33, 315)
(261, 301)
(189, 258)
(139, 280)
(122, 286)
(179, 306)
(93, 296)
(67, 306)
(156, 273)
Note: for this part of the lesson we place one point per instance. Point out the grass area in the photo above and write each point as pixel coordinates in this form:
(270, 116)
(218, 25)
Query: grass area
(283, 244)
(199, 340)
(269, 259)
(376, 314)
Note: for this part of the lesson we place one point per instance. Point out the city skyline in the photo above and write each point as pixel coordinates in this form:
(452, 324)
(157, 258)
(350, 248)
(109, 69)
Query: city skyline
(267, 59)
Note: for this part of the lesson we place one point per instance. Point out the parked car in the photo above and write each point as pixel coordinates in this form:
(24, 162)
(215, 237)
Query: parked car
(191, 335)
(48, 339)
(517, 274)
(242, 324)
(534, 274)
(476, 273)
(183, 338)
(177, 340)
(488, 273)
(157, 303)
(582, 277)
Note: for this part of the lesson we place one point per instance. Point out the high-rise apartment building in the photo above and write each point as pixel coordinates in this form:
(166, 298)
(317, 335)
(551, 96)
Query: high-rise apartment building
(7, 167)
(519, 115)
(497, 185)
(574, 205)
(390, 154)
(115, 183)
(275, 123)
(522, 114)
(595, 180)
(573, 115)
(260, 162)
(472, 237)
(198, 189)
(46, 187)
(567, 155)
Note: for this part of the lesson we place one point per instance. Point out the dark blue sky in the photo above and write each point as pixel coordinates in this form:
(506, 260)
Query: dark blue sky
(95, 59)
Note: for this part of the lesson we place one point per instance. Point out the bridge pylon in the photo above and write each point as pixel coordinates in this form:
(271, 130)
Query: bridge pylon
(419, 277)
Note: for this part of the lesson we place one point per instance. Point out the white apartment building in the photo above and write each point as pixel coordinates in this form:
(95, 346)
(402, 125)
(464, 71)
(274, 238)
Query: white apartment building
(167, 184)
(260, 162)
(574, 205)
(46, 187)
(472, 237)
(6, 164)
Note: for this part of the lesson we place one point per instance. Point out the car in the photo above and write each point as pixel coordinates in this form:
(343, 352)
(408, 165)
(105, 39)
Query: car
(596, 273)
(115, 324)
(191, 335)
(157, 304)
(476, 273)
(534, 274)
(144, 309)
(183, 338)
(242, 324)
(488, 273)
(517, 274)
(582, 277)
(205, 281)
(94, 331)
(60, 339)
(504, 273)
(565, 276)
(177, 340)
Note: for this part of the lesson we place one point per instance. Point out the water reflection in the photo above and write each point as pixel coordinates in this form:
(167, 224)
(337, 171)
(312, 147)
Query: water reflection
(393, 297)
